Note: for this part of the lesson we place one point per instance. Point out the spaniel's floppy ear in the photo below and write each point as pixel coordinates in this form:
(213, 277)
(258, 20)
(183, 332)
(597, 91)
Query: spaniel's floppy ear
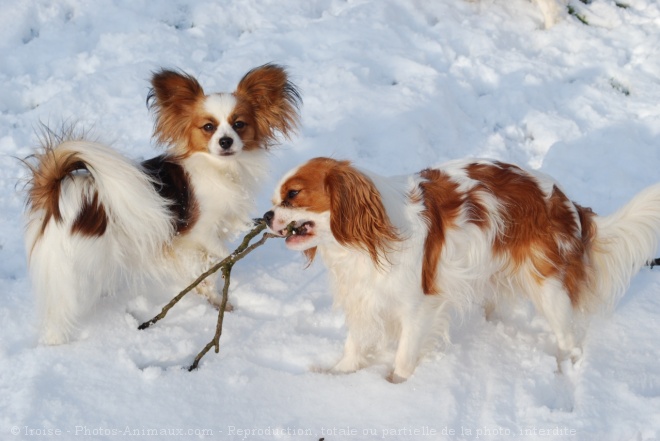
(172, 97)
(357, 215)
(274, 99)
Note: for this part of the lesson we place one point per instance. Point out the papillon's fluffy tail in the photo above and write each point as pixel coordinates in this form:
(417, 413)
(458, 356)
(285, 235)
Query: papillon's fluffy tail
(92, 217)
(625, 241)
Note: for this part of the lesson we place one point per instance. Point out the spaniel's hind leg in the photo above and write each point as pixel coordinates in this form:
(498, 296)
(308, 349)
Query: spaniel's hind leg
(552, 300)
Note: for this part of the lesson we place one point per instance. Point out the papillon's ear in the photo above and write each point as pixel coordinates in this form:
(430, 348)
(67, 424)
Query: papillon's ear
(357, 217)
(173, 97)
(274, 100)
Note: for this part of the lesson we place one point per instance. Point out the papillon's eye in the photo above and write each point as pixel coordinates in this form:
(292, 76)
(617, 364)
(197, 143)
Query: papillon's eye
(208, 127)
(292, 194)
(238, 125)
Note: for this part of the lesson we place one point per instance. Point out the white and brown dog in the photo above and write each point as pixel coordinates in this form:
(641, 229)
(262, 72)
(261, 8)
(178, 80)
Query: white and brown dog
(401, 251)
(96, 219)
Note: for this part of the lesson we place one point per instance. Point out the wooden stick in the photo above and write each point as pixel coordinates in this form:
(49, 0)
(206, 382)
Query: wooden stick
(229, 259)
(226, 275)
(225, 265)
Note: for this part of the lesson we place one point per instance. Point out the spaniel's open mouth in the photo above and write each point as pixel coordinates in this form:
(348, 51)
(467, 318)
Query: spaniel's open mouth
(300, 232)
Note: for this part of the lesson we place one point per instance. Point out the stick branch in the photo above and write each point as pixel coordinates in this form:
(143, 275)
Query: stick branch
(226, 275)
(225, 265)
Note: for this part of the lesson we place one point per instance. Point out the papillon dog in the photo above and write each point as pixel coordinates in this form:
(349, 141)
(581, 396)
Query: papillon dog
(96, 219)
(402, 251)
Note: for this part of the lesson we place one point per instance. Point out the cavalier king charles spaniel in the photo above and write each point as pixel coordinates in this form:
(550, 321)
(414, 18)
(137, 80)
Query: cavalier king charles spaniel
(403, 251)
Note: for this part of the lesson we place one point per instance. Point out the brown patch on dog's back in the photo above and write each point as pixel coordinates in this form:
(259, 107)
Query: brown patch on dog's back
(539, 229)
(442, 203)
(576, 239)
(171, 182)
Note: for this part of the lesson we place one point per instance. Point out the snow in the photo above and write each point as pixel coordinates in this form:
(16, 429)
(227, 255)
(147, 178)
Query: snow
(395, 86)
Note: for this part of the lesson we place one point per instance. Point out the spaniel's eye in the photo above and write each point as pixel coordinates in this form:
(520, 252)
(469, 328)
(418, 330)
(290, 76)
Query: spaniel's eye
(238, 125)
(292, 194)
(209, 128)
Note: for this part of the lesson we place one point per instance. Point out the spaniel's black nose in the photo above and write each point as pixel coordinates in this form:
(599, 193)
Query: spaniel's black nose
(268, 217)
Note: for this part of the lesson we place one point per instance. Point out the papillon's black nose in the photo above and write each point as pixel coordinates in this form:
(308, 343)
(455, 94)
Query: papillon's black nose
(268, 217)
(226, 142)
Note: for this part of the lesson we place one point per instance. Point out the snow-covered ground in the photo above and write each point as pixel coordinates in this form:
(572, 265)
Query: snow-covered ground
(395, 86)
